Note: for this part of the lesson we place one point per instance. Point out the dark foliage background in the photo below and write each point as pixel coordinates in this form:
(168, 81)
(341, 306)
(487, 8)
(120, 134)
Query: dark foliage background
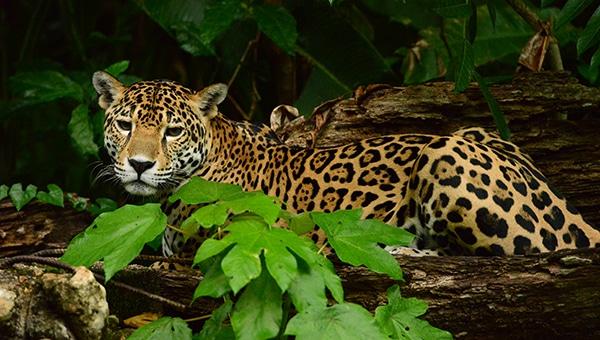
(300, 52)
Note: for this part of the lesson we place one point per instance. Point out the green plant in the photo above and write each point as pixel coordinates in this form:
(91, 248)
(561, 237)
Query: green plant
(263, 273)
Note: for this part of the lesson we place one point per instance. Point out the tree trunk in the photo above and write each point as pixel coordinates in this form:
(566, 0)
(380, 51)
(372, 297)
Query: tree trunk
(553, 295)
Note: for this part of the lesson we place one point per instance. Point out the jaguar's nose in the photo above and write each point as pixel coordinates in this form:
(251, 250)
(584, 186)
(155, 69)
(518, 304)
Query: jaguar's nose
(140, 166)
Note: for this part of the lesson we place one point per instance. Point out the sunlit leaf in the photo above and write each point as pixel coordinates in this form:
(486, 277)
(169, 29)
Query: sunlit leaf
(399, 318)
(165, 328)
(342, 321)
(104, 238)
(356, 241)
(258, 312)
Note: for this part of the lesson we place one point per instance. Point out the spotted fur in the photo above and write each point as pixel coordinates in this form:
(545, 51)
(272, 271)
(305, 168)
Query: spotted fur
(469, 193)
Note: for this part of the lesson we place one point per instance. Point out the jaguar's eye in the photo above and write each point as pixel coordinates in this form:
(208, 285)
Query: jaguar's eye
(174, 132)
(124, 125)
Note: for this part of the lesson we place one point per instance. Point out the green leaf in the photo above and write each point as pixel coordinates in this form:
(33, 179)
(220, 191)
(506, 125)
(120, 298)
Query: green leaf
(103, 205)
(278, 24)
(357, 241)
(165, 328)
(258, 203)
(78, 203)
(241, 265)
(595, 62)
(198, 191)
(3, 191)
(308, 287)
(590, 35)
(20, 197)
(104, 239)
(494, 108)
(453, 8)
(190, 39)
(117, 68)
(54, 196)
(44, 86)
(258, 312)
(546, 3)
(299, 223)
(214, 282)
(465, 68)
(217, 18)
(213, 328)
(399, 318)
(571, 9)
(492, 12)
(81, 132)
(342, 321)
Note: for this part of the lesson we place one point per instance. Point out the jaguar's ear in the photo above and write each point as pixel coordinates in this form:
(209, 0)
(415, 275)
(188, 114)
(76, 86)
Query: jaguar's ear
(209, 97)
(108, 88)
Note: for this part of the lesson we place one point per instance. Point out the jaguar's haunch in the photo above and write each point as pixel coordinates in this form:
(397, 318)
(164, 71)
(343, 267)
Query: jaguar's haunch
(468, 193)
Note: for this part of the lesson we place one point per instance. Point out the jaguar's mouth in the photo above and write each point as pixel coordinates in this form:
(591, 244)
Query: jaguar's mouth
(140, 188)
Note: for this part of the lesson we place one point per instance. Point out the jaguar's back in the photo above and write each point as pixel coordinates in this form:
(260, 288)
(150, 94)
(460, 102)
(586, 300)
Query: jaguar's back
(469, 193)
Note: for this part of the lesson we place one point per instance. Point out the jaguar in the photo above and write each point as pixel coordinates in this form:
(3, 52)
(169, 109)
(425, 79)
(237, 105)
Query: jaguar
(468, 193)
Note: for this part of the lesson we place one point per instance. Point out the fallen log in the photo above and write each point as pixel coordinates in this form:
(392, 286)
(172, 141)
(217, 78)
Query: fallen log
(556, 295)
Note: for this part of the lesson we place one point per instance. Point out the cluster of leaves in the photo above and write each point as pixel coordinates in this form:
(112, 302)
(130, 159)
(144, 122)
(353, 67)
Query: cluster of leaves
(260, 271)
(54, 196)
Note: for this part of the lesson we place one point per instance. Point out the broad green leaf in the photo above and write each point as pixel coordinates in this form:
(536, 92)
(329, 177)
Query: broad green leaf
(278, 24)
(590, 35)
(105, 238)
(299, 223)
(44, 86)
(214, 282)
(571, 9)
(211, 215)
(241, 265)
(217, 18)
(198, 191)
(81, 132)
(258, 312)
(492, 12)
(342, 321)
(453, 8)
(21, 197)
(3, 191)
(165, 328)
(464, 68)
(182, 20)
(54, 196)
(546, 3)
(595, 63)
(308, 287)
(258, 203)
(357, 241)
(494, 108)
(213, 328)
(399, 318)
(102, 205)
(117, 68)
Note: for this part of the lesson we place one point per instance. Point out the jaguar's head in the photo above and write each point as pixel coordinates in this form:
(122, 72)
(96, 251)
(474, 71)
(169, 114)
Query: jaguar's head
(156, 132)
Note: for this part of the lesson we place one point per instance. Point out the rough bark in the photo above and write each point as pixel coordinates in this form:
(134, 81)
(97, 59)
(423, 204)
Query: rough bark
(545, 296)
(551, 117)
(38, 226)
